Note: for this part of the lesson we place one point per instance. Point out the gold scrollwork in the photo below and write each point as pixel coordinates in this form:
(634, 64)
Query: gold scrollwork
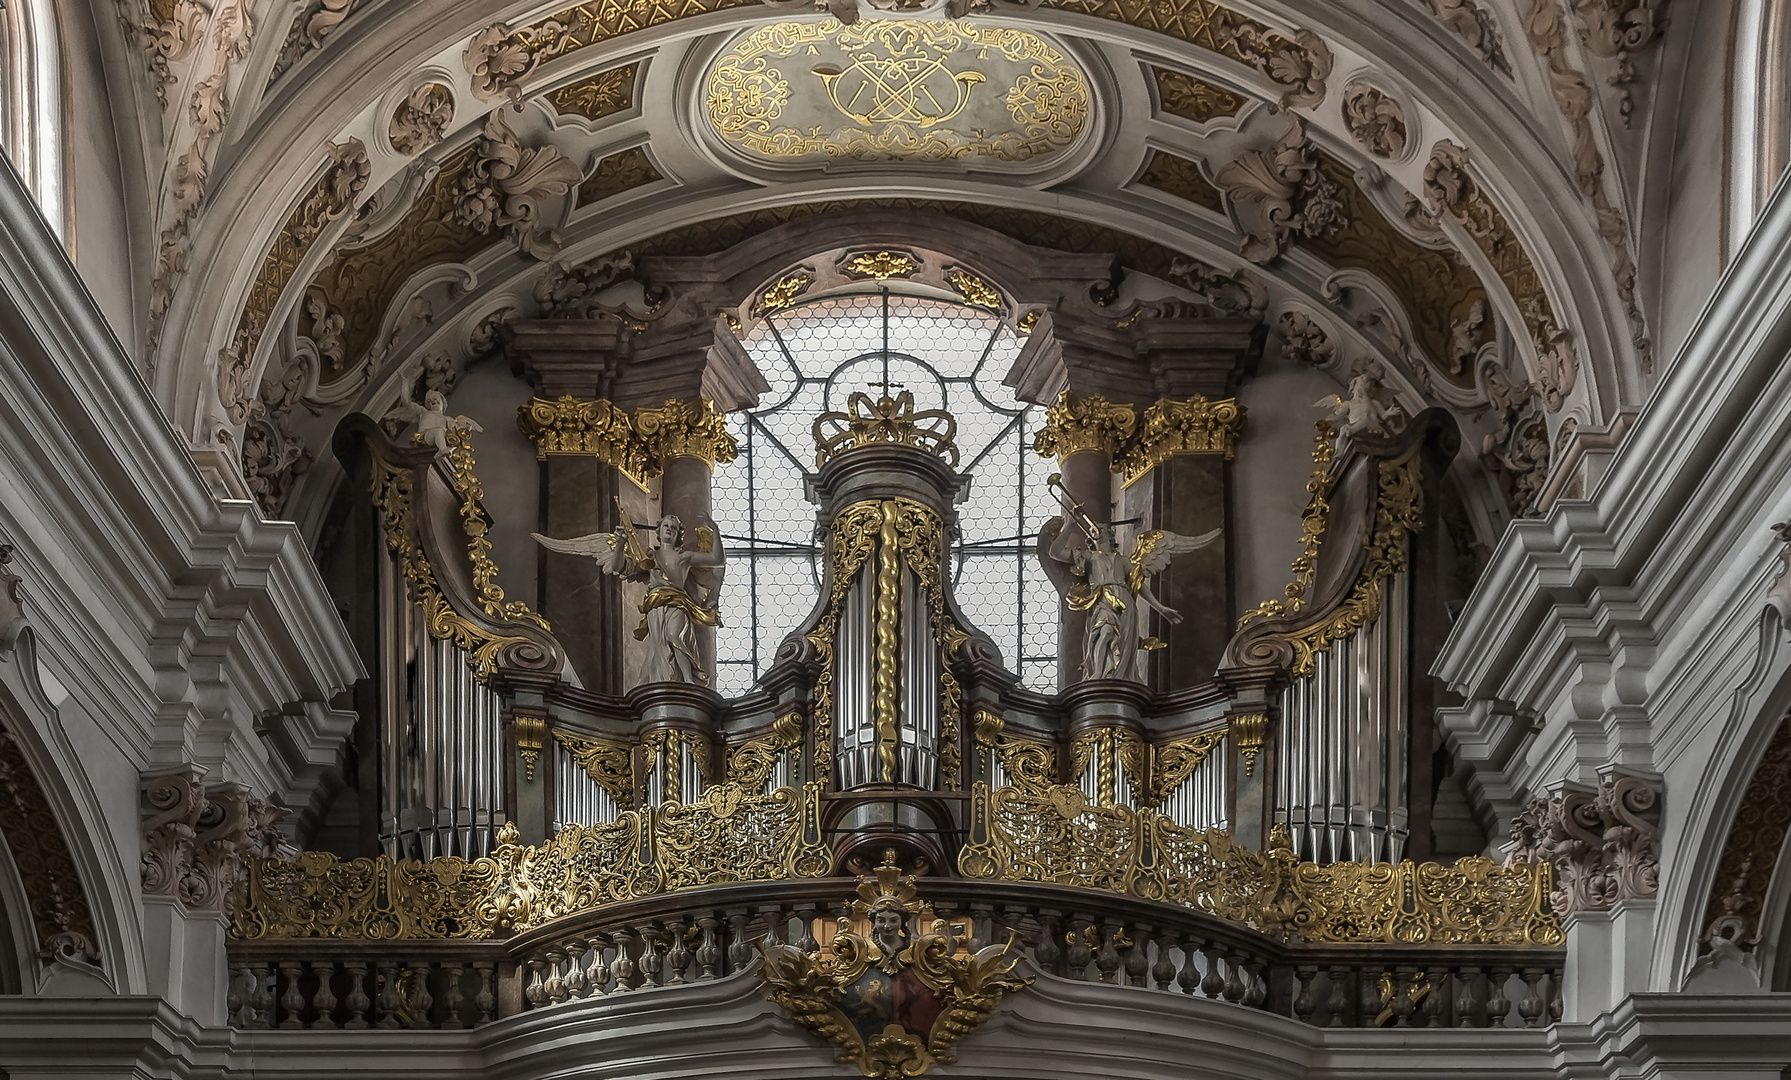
(975, 291)
(686, 428)
(392, 495)
(881, 265)
(726, 836)
(1171, 763)
(751, 763)
(1312, 531)
(1194, 426)
(476, 523)
(1057, 837)
(638, 446)
(1077, 424)
(886, 421)
(609, 765)
(784, 291)
(1029, 764)
(666, 749)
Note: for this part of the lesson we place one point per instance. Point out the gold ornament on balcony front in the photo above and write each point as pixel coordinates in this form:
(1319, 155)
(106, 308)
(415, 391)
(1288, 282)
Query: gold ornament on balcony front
(893, 989)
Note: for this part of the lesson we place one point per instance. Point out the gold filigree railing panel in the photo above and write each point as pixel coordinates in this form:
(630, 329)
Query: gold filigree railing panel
(726, 836)
(1056, 837)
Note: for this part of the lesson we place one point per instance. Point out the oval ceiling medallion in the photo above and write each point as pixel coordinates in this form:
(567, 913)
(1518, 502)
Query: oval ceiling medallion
(798, 93)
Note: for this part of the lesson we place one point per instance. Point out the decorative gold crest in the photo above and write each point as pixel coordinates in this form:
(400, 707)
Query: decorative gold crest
(886, 420)
(893, 1007)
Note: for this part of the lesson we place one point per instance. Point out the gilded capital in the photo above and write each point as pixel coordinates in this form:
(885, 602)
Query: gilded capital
(1079, 424)
(1194, 426)
(637, 445)
(685, 428)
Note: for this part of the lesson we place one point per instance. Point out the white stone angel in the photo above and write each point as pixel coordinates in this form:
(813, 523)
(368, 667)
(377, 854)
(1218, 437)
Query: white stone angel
(683, 587)
(1096, 577)
(1359, 412)
(432, 420)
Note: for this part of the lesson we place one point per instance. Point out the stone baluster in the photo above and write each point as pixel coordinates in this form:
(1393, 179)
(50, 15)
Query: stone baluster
(1138, 958)
(1530, 1008)
(708, 952)
(419, 1001)
(1369, 1001)
(1081, 926)
(1554, 996)
(1305, 1003)
(806, 913)
(1256, 984)
(575, 968)
(386, 997)
(650, 962)
(1404, 979)
(777, 924)
(536, 991)
(554, 986)
(982, 926)
(265, 981)
(452, 972)
(597, 975)
(1436, 1005)
(739, 944)
(1497, 1004)
(1163, 971)
(357, 1000)
(485, 1000)
(1234, 981)
(677, 957)
(624, 965)
(1338, 1002)
(1464, 995)
(1213, 985)
(1107, 960)
(325, 999)
(236, 997)
(1189, 979)
(291, 1001)
(1047, 950)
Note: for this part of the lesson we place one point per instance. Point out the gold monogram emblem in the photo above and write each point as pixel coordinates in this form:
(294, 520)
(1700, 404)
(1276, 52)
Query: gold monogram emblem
(898, 89)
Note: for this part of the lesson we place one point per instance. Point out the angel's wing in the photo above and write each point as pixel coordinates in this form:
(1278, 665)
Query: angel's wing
(1062, 574)
(1155, 548)
(465, 423)
(604, 548)
(710, 577)
(408, 411)
(1329, 401)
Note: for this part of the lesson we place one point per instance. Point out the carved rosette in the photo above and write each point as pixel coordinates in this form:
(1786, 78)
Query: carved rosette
(1604, 844)
(195, 840)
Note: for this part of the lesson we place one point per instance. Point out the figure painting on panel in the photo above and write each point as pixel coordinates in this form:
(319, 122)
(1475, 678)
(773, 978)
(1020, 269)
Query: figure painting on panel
(1095, 575)
(683, 587)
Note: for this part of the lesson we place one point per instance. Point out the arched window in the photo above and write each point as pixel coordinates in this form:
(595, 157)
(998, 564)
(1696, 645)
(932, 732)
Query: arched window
(951, 357)
(31, 103)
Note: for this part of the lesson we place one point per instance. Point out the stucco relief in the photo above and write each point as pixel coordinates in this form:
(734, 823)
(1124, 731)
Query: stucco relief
(1278, 194)
(1376, 121)
(506, 185)
(421, 119)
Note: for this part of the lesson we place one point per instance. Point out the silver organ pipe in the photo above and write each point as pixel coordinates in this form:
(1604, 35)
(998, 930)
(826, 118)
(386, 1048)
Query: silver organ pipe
(918, 755)
(443, 790)
(1200, 801)
(917, 751)
(1341, 777)
(854, 733)
(578, 800)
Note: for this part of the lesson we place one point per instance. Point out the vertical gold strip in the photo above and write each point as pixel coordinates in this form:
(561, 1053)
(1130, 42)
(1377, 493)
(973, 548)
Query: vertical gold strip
(1104, 751)
(886, 653)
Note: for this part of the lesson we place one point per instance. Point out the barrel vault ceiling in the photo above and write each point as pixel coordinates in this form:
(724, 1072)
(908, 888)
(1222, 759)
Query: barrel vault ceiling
(350, 196)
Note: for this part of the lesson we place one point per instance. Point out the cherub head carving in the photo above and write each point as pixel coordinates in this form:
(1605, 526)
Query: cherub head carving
(887, 896)
(435, 401)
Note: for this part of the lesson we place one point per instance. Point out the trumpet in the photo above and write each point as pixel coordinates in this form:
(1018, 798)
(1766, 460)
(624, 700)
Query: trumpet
(1072, 509)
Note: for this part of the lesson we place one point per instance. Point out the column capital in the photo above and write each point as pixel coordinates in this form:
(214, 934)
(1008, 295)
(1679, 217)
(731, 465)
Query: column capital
(637, 444)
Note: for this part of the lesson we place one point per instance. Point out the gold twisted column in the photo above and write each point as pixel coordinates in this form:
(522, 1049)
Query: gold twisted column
(886, 657)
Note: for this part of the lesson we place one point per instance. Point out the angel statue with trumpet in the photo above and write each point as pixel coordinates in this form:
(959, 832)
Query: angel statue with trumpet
(683, 587)
(1084, 559)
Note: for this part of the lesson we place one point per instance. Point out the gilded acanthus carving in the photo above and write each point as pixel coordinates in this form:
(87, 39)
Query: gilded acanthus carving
(1376, 121)
(1603, 844)
(1304, 341)
(1193, 426)
(506, 185)
(1078, 424)
(1547, 31)
(751, 764)
(1475, 26)
(1279, 193)
(421, 119)
(638, 445)
(610, 765)
(195, 841)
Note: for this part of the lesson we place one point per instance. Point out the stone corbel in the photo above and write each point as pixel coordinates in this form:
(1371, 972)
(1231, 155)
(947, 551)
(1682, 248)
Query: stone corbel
(1603, 842)
(195, 840)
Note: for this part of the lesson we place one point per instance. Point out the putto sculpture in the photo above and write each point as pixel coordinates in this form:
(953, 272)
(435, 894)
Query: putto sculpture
(1095, 575)
(894, 1008)
(683, 587)
(432, 420)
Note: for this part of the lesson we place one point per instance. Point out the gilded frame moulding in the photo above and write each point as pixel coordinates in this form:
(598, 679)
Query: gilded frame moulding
(726, 836)
(1057, 837)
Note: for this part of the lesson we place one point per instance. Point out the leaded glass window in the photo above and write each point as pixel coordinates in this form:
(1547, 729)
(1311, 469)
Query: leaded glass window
(950, 357)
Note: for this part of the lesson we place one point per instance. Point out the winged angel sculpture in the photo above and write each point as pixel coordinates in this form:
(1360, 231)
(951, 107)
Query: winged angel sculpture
(683, 587)
(432, 420)
(1094, 575)
(894, 1008)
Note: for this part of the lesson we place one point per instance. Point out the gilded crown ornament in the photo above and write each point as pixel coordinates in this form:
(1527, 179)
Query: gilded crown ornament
(894, 1008)
(890, 421)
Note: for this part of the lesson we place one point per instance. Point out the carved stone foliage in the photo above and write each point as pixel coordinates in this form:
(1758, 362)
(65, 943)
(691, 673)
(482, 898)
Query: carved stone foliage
(1546, 28)
(1617, 30)
(195, 841)
(421, 119)
(1194, 99)
(317, 20)
(506, 185)
(60, 913)
(1278, 194)
(603, 94)
(1376, 121)
(570, 292)
(1297, 65)
(1242, 293)
(1604, 844)
(329, 198)
(1303, 340)
(1737, 897)
(1455, 195)
(1474, 25)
